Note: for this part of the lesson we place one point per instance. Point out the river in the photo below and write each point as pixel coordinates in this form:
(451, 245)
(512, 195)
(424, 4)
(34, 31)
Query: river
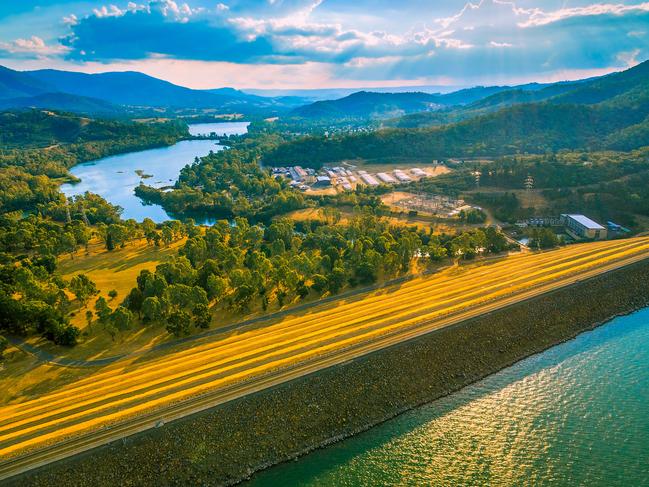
(577, 414)
(115, 177)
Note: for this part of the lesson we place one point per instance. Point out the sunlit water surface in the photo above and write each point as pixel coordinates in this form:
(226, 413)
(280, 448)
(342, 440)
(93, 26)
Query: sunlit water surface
(115, 178)
(575, 415)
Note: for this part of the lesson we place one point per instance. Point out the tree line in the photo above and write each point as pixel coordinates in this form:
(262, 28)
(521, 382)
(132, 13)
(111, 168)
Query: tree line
(241, 266)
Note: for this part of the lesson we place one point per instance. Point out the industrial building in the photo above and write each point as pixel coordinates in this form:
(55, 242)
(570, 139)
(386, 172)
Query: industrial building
(369, 179)
(580, 226)
(402, 176)
(297, 173)
(386, 178)
(322, 182)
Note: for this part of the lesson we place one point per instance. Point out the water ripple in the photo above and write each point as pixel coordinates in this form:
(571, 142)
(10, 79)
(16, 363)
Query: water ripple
(577, 414)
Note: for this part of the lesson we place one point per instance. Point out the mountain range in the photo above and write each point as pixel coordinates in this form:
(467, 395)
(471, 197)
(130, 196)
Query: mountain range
(371, 105)
(123, 92)
(610, 112)
(133, 94)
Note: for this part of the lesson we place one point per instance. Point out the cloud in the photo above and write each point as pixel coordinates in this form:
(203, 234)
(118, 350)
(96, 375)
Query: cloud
(479, 39)
(160, 28)
(538, 17)
(32, 48)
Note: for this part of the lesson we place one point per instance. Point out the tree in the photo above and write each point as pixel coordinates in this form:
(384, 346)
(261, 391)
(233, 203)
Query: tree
(110, 244)
(89, 316)
(122, 318)
(134, 300)
(544, 238)
(202, 316)
(112, 294)
(103, 310)
(4, 343)
(319, 283)
(83, 288)
(153, 309)
(180, 295)
(178, 323)
(336, 279)
(216, 287)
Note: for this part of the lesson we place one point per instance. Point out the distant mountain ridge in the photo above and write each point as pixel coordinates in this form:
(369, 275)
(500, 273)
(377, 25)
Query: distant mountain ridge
(14, 84)
(112, 93)
(374, 105)
(131, 88)
(611, 112)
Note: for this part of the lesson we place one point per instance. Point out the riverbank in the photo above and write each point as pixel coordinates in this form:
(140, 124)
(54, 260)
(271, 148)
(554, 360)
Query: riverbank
(229, 442)
(116, 176)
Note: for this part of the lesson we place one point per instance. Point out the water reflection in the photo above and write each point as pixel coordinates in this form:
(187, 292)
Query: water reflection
(577, 414)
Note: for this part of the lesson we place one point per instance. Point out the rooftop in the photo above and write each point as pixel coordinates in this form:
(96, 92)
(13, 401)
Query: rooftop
(587, 222)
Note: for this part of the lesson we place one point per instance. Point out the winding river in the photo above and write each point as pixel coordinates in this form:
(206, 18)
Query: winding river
(116, 177)
(577, 414)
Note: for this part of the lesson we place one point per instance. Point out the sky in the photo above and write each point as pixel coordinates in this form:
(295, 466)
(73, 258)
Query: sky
(306, 44)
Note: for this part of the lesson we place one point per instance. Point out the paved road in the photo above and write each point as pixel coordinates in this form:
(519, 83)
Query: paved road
(208, 400)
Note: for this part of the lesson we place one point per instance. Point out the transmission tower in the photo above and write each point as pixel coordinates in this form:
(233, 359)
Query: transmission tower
(529, 183)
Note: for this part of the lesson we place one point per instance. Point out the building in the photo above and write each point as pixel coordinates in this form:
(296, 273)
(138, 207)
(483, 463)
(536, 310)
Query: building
(581, 226)
(322, 182)
(369, 179)
(545, 221)
(402, 176)
(386, 178)
(297, 173)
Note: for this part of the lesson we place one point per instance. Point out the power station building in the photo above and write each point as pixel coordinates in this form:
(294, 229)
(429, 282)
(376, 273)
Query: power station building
(583, 227)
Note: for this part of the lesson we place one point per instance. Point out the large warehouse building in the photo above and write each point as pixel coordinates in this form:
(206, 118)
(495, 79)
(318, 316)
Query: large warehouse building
(583, 227)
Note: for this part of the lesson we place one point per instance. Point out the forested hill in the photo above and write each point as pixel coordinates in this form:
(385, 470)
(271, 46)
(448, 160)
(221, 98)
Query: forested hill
(37, 147)
(535, 128)
(373, 105)
(366, 104)
(43, 128)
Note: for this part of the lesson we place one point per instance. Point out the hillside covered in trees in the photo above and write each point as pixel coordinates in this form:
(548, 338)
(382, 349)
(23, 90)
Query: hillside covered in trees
(606, 113)
(39, 146)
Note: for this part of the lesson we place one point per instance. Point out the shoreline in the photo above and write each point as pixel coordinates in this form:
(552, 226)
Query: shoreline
(369, 426)
(227, 444)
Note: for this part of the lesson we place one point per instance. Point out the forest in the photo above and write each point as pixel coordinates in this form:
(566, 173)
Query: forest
(237, 267)
(38, 148)
(227, 184)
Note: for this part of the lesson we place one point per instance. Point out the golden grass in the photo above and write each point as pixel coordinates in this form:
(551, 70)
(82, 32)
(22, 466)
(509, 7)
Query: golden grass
(420, 222)
(116, 270)
(145, 382)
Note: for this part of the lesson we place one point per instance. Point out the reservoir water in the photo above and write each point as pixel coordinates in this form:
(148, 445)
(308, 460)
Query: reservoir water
(116, 177)
(575, 415)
